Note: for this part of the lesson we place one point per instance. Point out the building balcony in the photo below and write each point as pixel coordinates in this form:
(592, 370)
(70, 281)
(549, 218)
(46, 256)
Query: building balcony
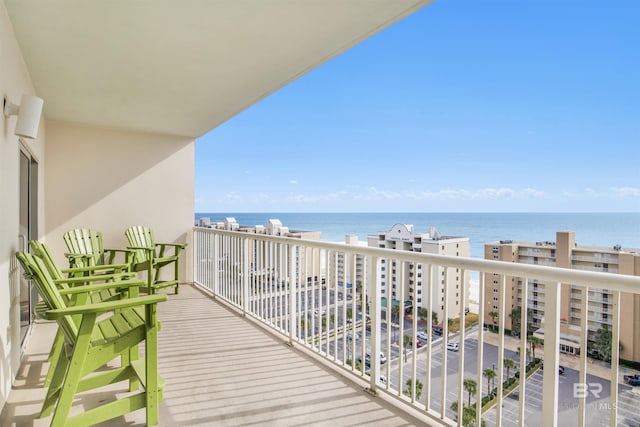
(593, 268)
(236, 351)
(596, 258)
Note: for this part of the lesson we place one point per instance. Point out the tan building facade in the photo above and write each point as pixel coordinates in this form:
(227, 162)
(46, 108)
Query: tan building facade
(402, 281)
(565, 252)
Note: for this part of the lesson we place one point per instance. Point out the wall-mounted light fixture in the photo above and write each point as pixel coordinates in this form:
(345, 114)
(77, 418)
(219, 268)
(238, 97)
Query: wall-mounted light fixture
(28, 112)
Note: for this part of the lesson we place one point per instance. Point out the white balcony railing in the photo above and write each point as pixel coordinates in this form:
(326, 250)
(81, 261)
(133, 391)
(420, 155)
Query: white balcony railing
(292, 286)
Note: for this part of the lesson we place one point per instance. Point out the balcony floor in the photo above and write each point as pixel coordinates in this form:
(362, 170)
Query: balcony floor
(220, 370)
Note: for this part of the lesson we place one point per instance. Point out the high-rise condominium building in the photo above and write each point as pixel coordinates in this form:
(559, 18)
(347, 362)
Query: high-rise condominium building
(566, 253)
(264, 255)
(402, 281)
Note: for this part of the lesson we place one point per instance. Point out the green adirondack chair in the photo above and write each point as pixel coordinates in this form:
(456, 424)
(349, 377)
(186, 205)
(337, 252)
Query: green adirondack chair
(152, 257)
(72, 277)
(94, 335)
(86, 249)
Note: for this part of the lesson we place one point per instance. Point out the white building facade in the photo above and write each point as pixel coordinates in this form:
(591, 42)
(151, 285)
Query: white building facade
(408, 282)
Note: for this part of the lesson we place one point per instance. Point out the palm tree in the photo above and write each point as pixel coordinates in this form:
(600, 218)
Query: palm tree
(533, 342)
(490, 374)
(468, 415)
(493, 315)
(528, 354)
(423, 313)
(508, 365)
(434, 318)
(349, 312)
(409, 388)
(470, 385)
(407, 341)
(449, 324)
(395, 311)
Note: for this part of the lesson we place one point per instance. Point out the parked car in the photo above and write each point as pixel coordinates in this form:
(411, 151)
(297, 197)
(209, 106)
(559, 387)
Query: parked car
(453, 346)
(419, 343)
(367, 359)
(633, 380)
(560, 369)
(422, 336)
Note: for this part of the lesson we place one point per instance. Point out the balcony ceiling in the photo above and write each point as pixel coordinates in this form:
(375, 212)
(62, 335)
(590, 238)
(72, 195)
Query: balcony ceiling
(181, 67)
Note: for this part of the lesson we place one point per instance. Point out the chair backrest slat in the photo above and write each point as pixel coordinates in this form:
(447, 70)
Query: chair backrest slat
(86, 242)
(140, 236)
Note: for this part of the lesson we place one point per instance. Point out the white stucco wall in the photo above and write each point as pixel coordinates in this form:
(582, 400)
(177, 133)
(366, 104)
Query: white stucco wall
(14, 82)
(108, 179)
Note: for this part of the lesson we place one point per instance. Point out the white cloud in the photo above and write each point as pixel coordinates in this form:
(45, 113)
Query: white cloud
(232, 196)
(480, 194)
(626, 191)
(586, 193)
(293, 181)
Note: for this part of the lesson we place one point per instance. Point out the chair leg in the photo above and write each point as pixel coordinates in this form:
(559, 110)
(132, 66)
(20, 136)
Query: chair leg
(57, 378)
(151, 363)
(177, 275)
(126, 358)
(74, 373)
(54, 355)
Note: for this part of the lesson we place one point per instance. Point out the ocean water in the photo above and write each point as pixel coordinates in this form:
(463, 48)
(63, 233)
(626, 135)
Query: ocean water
(597, 229)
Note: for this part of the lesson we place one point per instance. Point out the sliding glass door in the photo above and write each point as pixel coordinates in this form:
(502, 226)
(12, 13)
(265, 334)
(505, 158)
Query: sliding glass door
(28, 230)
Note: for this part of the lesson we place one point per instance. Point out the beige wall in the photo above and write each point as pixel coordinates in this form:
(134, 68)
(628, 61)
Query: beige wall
(107, 180)
(88, 177)
(14, 82)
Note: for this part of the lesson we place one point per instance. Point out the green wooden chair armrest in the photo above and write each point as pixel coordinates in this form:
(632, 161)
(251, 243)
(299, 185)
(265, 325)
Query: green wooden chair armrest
(125, 251)
(128, 254)
(85, 279)
(94, 268)
(125, 284)
(175, 245)
(147, 248)
(104, 307)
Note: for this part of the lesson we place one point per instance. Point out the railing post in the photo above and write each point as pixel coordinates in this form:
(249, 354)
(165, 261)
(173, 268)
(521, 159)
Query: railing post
(615, 358)
(293, 295)
(582, 373)
(374, 298)
(215, 257)
(551, 357)
(245, 276)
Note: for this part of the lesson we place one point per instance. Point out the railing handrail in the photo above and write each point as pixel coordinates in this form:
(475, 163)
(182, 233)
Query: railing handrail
(617, 282)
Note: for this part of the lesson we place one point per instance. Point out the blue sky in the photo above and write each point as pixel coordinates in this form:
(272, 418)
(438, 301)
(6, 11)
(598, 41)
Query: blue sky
(465, 106)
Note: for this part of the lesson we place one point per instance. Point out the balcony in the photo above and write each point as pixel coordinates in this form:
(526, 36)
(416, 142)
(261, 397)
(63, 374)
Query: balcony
(221, 370)
(241, 347)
